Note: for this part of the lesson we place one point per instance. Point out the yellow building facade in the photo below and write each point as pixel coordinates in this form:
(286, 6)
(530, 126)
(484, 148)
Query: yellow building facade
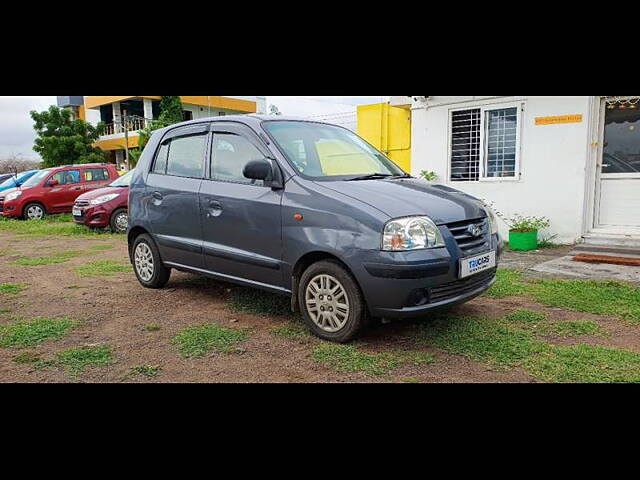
(387, 128)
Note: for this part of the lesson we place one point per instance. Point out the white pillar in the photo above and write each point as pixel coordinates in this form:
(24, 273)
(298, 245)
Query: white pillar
(148, 109)
(119, 158)
(117, 117)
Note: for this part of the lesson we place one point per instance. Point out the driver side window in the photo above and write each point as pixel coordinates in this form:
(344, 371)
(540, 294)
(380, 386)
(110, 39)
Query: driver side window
(229, 155)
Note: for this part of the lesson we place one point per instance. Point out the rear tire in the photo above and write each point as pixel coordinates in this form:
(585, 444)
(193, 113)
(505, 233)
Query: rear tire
(34, 211)
(147, 264)
(331, 302)
(119, 221)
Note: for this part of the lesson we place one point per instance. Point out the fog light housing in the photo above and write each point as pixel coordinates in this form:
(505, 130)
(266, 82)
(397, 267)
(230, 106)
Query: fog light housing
(418, 297)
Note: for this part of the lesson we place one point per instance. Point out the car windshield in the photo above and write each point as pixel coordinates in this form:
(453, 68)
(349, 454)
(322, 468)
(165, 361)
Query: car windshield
(36, 179)
(123, 181)
(9, 182)
(321, 151)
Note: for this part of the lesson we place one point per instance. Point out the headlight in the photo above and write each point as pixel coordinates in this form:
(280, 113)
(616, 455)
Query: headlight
(103, 199)
(493, 220)
(12, 195)
(411, 233)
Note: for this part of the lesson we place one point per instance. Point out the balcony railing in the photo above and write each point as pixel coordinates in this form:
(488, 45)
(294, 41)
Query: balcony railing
(130, 124)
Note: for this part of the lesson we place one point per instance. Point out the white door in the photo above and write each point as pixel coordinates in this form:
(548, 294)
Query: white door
(618, 196)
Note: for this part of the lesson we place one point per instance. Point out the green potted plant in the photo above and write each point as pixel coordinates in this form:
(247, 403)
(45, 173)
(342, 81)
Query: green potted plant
(523, 231)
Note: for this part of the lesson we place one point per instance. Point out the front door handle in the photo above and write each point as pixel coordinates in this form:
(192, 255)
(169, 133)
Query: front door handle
(157, 195)
(215, 208)
(77, 188)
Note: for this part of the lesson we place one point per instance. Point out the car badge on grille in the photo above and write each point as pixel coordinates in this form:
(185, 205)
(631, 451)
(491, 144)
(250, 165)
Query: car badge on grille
(474, 230)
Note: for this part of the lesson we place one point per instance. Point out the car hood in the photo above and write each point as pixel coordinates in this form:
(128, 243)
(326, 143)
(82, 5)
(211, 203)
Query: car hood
(103, 191)
(411, 196)
(4, 193)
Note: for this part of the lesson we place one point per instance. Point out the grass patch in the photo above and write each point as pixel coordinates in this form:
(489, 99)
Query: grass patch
(101, 268)
(59, 257)
(76, 360)
(146, 370)
(586, 363)
(101, 247)
(258, 302)
(481, 339)
(199, 340)
(348, 358)
(598, 297)
(508, 283)
(27, 333)
(50, 226)
(26, 358)
(152, 327)
(292, 331)
(12, 288)
(540, 324)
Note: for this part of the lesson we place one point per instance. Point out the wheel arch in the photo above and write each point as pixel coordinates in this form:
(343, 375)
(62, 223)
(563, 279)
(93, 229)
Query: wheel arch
(132, 234)
(307, 260)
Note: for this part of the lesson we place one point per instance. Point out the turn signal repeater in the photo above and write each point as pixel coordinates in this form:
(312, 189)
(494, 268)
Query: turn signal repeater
(298, 217)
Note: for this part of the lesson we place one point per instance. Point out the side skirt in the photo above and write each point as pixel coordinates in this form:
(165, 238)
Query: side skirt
(229, 278)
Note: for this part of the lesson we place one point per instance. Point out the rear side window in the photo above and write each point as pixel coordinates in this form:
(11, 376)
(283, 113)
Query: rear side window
(96, 174)
(230, 153)
(160, 165)
(67, 177)
(182, 156)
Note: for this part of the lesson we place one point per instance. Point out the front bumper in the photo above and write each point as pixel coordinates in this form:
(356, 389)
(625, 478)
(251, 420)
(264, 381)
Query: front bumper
(410, 284)
(10, 208)
(93, 216)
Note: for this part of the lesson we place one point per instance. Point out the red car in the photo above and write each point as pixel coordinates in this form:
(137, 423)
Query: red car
(54, 190)
(105, 207)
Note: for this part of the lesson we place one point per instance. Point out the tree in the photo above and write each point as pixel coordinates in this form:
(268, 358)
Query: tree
(170, 110)
(62, 141)
(170, 113)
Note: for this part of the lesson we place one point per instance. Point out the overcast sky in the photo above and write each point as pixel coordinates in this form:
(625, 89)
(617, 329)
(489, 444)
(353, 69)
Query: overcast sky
(17, 135)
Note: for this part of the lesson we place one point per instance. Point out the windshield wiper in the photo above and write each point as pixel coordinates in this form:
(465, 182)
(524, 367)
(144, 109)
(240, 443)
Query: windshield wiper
(371, 176)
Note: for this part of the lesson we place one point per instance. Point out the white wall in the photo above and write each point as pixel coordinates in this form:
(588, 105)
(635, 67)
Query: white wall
(553, 159)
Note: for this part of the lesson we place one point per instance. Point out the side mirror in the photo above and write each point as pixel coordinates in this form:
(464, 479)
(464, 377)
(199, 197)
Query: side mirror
(257, 169)
(52, 183)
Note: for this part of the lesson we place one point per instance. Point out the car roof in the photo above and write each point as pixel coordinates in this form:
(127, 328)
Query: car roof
(252, 119)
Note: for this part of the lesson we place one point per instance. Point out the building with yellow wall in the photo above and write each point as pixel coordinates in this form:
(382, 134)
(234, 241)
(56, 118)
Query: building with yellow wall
(141, 110)
(388, 128)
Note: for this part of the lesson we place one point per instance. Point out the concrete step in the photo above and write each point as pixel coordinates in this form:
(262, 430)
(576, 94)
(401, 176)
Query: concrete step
(632, 252)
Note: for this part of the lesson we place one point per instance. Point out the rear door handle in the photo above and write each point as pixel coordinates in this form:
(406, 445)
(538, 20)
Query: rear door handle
(77, 188)
(157, 195)
(215, 205)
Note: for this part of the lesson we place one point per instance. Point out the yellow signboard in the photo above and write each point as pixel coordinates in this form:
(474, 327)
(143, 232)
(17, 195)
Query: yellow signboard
(559, 119)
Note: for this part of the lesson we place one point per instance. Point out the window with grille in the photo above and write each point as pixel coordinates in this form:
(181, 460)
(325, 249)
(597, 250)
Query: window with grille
(484, 143)
(465, 145)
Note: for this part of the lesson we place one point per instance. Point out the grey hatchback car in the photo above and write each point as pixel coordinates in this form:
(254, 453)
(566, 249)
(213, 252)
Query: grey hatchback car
(309, 210)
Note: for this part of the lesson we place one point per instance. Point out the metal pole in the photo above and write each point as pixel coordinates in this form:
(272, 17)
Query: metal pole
(126, 140)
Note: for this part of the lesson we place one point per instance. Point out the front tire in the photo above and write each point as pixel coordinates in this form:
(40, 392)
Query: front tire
(33, 211)
(331, 302)
(119, 221)
(147, 264)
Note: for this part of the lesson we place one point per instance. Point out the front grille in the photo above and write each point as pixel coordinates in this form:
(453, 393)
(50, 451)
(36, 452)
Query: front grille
(460, 287)
(468, 243)
(81, 203)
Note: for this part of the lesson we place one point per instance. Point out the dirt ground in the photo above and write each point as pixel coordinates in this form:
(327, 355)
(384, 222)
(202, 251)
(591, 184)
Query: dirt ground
(115, 310)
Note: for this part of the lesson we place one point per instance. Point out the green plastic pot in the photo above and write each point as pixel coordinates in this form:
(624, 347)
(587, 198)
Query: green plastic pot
(523, 241)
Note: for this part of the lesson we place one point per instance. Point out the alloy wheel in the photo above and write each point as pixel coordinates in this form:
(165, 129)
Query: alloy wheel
(144, 261)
